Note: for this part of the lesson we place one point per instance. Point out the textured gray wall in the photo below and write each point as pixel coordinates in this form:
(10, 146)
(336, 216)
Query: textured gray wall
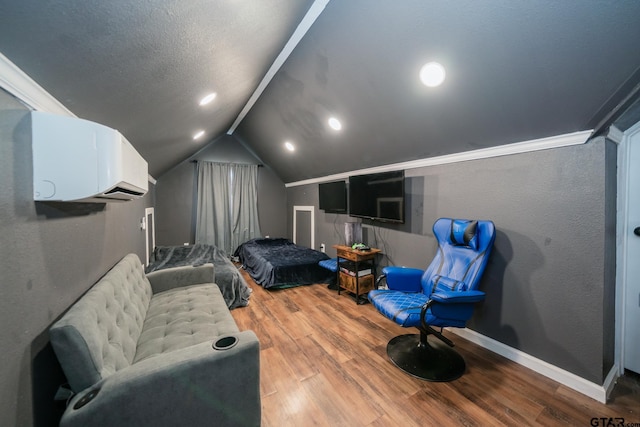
(50, 255)
(176, 197)
(550, 281)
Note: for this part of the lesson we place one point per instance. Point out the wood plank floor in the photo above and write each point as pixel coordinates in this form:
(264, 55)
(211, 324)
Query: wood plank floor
(324, 363)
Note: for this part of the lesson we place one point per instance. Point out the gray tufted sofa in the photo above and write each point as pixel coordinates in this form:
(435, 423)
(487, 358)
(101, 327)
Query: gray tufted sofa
(157, 350)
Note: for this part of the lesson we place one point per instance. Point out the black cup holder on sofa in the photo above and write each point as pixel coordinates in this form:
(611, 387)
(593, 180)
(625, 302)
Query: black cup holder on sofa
(225, 343)
(86, 398)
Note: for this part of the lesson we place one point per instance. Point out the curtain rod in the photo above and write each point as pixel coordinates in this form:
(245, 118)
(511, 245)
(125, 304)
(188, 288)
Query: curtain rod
(232, 163)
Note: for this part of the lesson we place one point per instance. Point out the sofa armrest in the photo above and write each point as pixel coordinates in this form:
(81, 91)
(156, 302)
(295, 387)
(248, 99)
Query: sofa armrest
(176, 277)
(194, 386)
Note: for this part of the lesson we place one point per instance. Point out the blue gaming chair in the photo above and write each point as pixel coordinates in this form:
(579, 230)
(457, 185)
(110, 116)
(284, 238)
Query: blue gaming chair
(441, 296)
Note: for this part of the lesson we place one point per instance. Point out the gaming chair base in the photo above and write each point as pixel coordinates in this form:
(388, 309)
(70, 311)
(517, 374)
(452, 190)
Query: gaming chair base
(430, 361)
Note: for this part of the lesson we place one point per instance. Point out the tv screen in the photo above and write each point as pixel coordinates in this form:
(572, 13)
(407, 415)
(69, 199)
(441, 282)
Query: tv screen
(333, 196)
(378, 196)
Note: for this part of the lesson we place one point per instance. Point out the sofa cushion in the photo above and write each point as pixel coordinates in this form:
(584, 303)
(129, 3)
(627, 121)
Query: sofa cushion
(99, 334)
(183, 317)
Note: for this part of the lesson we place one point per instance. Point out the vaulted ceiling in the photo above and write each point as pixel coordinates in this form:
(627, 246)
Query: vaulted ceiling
(515, 71)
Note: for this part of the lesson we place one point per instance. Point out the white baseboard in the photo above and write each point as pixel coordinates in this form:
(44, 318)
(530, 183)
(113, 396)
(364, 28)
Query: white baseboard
(579, 384)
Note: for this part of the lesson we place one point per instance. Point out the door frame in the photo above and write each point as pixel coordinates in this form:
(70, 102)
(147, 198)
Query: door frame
(622, 241)
(311, 210)
(150, 232)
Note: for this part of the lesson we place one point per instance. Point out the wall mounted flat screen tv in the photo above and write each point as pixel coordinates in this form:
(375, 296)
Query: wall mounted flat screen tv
(378, 196)
(333, 197)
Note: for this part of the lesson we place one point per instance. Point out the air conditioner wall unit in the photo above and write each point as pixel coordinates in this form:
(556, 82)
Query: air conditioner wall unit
(76, 160)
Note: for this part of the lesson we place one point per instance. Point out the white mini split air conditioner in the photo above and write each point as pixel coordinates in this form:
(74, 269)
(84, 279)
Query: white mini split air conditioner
(75, 160)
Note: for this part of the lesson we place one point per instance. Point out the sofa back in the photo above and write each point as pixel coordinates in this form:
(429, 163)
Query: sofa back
(98, 335)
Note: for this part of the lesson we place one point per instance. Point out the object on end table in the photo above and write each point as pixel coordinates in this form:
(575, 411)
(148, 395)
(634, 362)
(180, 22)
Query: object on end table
(360, 247)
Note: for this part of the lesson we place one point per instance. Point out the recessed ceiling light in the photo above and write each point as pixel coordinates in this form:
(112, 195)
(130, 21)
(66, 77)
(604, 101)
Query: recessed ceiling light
(289, 146)
(199, 134)
(432, 74)
(335, 123)
(207, 99)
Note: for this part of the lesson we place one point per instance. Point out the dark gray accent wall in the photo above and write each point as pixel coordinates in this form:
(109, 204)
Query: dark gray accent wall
(176, 194)
(49, 256)
(329, 227)
(175, 219)
(550, 282)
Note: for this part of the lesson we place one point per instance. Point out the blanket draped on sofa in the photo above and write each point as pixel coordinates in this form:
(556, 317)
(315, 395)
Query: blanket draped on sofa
(234, 288)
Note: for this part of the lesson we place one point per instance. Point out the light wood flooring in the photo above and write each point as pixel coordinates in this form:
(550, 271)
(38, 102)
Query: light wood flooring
(324, 363)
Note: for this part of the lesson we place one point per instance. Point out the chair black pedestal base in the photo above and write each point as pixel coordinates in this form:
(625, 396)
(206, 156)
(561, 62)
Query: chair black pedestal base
(431, 361)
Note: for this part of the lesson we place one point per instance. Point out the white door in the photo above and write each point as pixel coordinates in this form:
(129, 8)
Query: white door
(149, 224)
(304, 226)
(632, 262)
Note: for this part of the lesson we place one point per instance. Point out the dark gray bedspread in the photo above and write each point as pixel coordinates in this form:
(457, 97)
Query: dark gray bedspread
(234, 288)
(278, 262)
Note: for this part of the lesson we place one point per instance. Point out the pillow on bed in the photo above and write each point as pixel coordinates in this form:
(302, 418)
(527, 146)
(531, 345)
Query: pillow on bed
(265, 241)
(463, 233)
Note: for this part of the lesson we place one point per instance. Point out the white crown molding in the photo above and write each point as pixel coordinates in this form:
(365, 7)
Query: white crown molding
(30, 93)
(23, 87)
(615, 134)
(575, 138)
(579, 384)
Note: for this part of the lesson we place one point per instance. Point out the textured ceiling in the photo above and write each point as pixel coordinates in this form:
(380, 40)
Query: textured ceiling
(515, 71)
(142, 66)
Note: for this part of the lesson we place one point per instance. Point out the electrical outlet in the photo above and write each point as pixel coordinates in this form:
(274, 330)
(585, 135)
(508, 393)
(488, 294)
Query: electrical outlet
(322, 247)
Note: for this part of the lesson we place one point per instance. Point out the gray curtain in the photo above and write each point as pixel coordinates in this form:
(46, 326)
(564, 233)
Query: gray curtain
(244, 208)
(227, 208)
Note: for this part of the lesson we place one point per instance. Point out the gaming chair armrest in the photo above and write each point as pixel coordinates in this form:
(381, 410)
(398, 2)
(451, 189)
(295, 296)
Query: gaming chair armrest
(457, 297)
(403, 278)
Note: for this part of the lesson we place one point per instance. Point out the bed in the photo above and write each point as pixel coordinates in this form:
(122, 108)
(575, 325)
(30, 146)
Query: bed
(233, 286)
(276, 263)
